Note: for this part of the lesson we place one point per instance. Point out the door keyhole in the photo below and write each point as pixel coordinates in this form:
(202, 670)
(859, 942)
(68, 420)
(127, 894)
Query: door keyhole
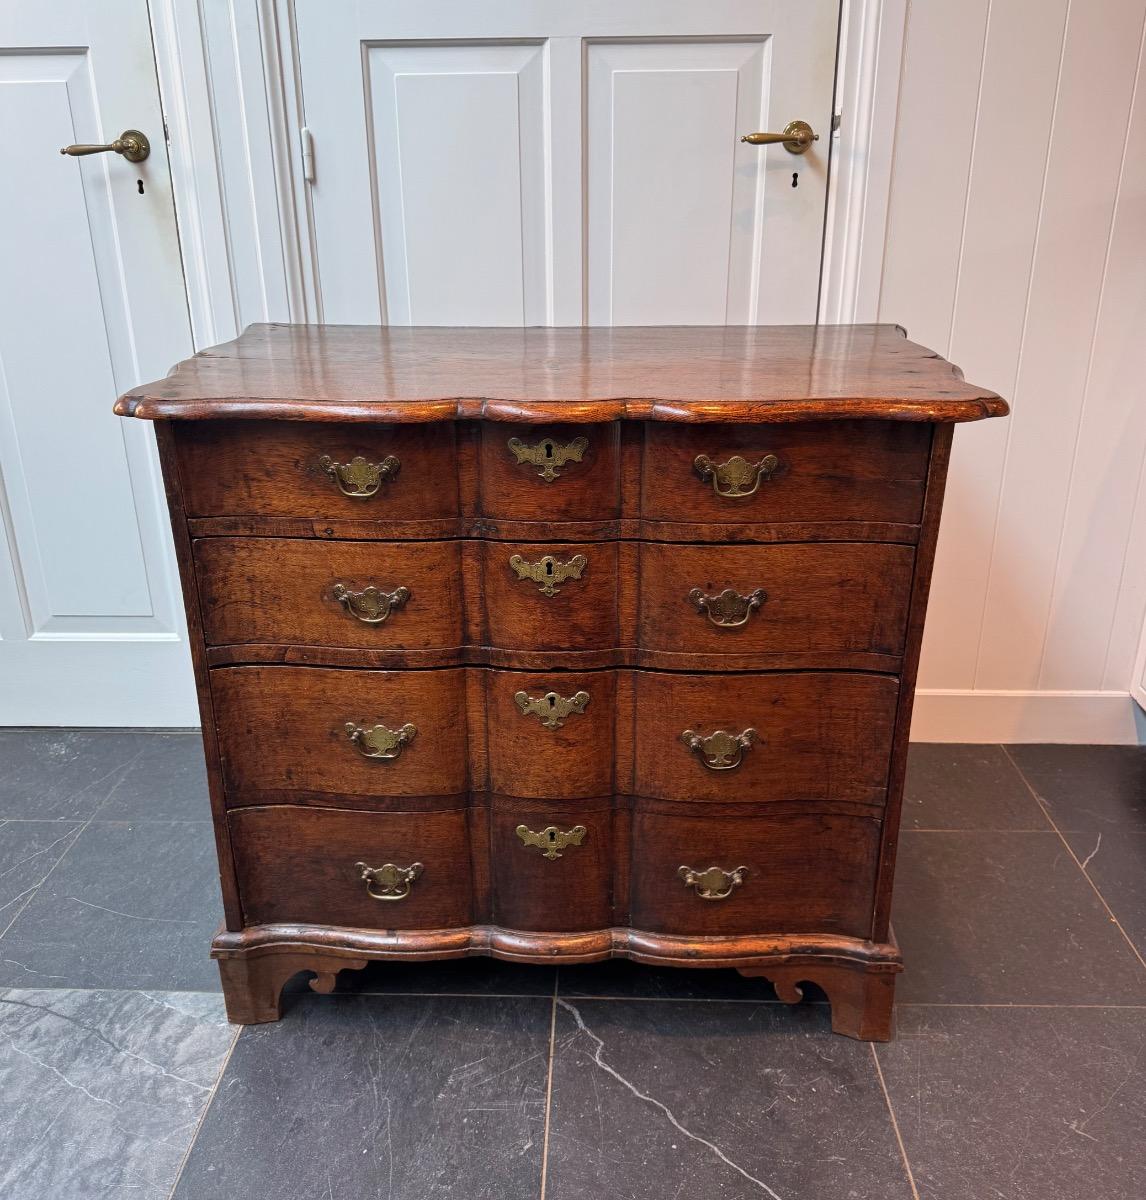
(139, 184)
(795, 178)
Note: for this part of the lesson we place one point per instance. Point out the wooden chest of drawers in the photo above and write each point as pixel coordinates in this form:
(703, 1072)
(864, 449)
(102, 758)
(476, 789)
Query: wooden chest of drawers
(558, 644)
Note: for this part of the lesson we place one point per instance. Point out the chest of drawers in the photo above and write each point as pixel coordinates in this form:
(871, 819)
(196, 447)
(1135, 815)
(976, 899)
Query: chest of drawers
(558, 644)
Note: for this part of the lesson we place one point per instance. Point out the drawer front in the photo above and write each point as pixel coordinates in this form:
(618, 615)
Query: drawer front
(550, 472)
(827, 471)
(759, 737)
(551, 864)
(551, 595)
(305, 866)
(284, 469)
(806, 873)
(814, 599)
(283, 731)
(369, 595)
(551, 735)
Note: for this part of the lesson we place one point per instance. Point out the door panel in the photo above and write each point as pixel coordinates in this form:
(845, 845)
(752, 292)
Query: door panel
(673, 196)
(530, 162)
(459, 170)
(91, 628)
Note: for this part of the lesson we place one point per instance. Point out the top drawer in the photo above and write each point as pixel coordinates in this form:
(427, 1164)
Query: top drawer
(312, 470)
(818, 471)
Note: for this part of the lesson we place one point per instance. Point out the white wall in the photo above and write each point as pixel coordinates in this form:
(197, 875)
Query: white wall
(1014, 243)
(1016, 246)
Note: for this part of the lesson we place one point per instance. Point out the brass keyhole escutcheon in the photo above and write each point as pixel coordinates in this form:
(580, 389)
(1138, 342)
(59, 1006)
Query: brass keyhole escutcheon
(551, 840)
(549, 573)
(548, 454)
(551, 709)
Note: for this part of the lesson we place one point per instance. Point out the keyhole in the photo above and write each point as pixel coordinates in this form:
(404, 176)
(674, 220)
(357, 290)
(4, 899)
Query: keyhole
(551, 836)
(548, 568)
(548, 449)
(795, 178)
(552, 701)
(139, 184)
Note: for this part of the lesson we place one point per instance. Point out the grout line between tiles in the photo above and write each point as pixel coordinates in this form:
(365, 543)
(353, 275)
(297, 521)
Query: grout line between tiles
(549, 1087)
(1094, 887)
(894, 1122)
(206, 1110)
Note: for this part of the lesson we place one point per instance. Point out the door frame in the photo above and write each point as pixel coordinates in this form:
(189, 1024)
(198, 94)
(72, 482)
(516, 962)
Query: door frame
(229, 84)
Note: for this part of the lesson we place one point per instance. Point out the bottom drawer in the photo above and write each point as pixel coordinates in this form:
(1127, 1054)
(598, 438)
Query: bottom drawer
(805, 873)
(556, 873)
(300, 866)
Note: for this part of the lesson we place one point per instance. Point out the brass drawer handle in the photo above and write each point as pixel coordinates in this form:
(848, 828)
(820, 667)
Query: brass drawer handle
(359, 477)
(389, 882)
(551, 840)
(379, 741)
(548, 454)
(736, 478)
(551, 709)
(713, 884)
(728, 609)
(548, 572)
(371, 605)
(719, 751)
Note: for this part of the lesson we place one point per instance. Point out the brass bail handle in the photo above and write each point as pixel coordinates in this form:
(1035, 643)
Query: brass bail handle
(797, 137)
(132, 144)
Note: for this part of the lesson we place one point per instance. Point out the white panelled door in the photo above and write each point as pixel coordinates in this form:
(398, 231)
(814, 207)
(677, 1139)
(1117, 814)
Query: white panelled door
(542, 162)
(91, 302)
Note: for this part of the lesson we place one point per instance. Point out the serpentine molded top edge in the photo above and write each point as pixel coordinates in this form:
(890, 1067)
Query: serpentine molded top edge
(742, 373)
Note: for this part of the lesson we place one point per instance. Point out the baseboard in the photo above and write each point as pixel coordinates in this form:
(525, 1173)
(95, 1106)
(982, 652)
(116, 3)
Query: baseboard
(1099, 718)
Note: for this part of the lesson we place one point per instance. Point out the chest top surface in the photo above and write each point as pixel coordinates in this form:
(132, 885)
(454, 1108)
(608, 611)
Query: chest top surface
(749, 374)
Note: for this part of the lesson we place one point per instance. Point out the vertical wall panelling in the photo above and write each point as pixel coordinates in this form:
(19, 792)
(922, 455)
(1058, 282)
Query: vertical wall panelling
(1015, 245)
(1097, 75)
(1086, 643)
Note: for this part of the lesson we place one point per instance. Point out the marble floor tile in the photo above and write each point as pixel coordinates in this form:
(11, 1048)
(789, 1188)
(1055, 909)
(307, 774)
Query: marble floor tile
(669, 1101)
(128, 905)
(987, 918)
(1115, 861)
(966, 787)
(399, 1097)
(166, 781)
(1026, 1104)
(101, 1091)
(1087, 787)
(28, 852)
(63, 775)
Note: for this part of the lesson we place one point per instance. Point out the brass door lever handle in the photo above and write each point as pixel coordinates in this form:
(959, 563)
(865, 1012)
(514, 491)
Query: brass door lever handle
(796, 138)
(132, 144)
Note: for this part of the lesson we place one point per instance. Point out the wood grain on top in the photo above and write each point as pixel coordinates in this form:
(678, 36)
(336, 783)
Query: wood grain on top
(683, 373)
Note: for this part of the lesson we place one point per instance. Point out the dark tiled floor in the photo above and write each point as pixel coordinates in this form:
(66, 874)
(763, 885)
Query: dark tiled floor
(1019, 1068)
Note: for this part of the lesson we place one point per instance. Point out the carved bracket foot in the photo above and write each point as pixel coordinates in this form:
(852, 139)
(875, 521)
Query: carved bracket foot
(253, 982)
(861, 998)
